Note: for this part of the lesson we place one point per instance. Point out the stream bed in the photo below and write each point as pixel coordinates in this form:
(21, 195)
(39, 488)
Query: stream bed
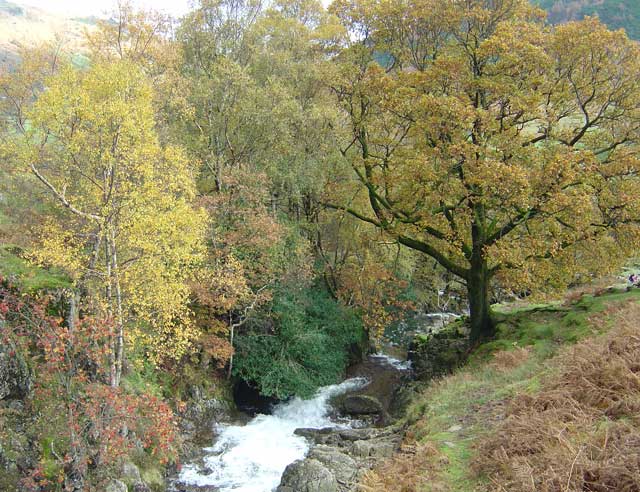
(252, 456)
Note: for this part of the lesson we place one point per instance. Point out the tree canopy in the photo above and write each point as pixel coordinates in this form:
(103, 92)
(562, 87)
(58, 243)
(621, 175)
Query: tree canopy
(501, 148)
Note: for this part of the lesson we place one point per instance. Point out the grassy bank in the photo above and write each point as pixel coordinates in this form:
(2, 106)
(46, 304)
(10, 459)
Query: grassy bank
(549, 405)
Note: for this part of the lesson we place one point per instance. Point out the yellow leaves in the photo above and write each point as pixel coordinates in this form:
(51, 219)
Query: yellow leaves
(92, 137)
(59, 246)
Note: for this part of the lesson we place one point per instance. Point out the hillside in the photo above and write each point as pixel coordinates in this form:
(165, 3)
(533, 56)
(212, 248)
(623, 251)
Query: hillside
(551, 404)
(615, 13)
(22, 25)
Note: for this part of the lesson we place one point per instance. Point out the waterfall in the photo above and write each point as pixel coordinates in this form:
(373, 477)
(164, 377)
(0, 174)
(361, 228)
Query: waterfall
(252, 457)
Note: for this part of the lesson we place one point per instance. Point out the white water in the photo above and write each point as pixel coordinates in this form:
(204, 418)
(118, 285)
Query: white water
(400, 365)
(252, 457)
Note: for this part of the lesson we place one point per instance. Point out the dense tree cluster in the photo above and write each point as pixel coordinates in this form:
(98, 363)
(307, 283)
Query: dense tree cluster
(277, 180)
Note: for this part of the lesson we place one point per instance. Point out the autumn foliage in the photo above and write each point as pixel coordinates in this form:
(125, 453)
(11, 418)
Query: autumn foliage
(580, 433)
(87, 427)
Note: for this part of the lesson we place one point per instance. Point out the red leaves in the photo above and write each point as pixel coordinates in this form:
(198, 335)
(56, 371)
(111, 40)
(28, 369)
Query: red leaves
(90, 422)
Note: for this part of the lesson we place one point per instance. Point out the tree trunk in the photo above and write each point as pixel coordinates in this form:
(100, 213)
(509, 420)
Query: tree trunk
(482, 325)
(119, 358)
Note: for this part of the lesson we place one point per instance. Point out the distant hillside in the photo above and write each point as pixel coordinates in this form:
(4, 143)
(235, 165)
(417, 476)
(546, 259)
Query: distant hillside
(26, 26)
(615, 13)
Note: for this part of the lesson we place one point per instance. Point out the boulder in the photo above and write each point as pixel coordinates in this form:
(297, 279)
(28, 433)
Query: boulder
(437, 354)
(362, 405)
(342, 466)
(308, 475)
(194, 488)
(15, 377)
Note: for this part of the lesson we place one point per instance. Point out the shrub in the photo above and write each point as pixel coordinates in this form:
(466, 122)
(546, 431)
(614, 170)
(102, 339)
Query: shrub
(308, 346)
(85, 426)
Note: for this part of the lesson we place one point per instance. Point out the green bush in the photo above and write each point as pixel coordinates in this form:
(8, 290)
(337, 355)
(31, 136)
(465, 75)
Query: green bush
(309, 345)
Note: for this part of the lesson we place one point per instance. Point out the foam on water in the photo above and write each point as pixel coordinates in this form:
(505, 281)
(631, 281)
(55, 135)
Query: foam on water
(400, 365)
(252, 457)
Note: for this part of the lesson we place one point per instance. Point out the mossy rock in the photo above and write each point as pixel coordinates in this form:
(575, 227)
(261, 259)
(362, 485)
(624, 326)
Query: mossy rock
(437, 354)
(153, 477)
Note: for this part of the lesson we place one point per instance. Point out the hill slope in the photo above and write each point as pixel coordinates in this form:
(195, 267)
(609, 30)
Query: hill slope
(27, 26)
(615, 13)
(552, 404)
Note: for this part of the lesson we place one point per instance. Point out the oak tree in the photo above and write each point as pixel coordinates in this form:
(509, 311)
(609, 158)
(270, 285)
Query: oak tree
(504, 149)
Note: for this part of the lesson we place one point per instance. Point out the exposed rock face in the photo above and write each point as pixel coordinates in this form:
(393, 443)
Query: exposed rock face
(438, 353)
(196, 422)
(308, 475)
(362, 405)
(15, 376)
(339, 458)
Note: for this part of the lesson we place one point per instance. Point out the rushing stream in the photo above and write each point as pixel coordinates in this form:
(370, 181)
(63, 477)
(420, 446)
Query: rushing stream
(252, 457)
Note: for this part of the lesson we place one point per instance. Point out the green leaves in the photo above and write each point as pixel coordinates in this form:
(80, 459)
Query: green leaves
(308, 347)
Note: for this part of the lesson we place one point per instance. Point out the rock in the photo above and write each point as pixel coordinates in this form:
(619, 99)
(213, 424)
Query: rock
(362, 405)
(454, 428)
(342, 466)
(437, 354)
(116, 486)
(375, 448)
(15, 377)
(318, 436)
(308, 475)
(195, 488)
(358, 434)
(131, 473)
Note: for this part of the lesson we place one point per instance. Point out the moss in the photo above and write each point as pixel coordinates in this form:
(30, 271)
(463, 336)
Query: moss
(51, 469)
(28, 276)
(153, 477)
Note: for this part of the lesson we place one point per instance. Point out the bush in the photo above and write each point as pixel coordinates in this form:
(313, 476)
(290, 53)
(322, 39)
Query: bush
(86, 427)
(308, 347)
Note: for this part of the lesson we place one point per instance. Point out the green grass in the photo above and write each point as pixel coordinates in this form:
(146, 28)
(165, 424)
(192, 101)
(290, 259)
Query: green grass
(27, 276)
(469, 397)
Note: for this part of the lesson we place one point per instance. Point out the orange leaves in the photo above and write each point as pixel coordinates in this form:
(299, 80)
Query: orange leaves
(514, 139)
(216, 345)
(368, 285)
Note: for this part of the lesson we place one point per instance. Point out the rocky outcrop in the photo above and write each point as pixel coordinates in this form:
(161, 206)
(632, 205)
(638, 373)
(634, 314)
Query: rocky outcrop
(197, 419)
(15, 376)
(438, 353)
(362, 405)
(338, 458)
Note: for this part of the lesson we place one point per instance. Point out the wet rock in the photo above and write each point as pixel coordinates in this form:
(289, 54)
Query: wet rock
(319, 436)
(194, 488)
(362, 405)
(308, 475)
